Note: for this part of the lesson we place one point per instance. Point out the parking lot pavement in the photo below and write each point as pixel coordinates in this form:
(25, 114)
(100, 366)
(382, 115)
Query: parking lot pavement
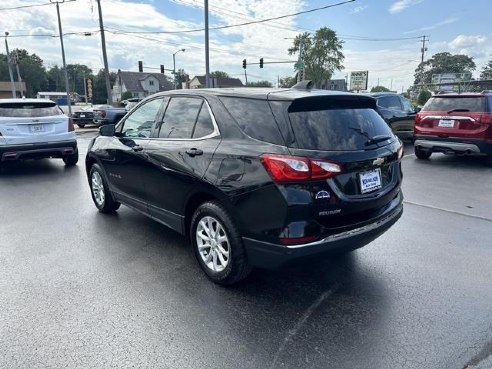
(87, 290)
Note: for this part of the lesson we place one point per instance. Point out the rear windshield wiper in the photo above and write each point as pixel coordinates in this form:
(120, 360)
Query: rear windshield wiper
(377, 139)
(457, 110)
(371, 140)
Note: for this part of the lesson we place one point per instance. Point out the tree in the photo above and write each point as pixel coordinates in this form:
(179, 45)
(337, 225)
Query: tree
(179, 78)
(31, 70)
(486, 72)
(76, 75)
(259, 84)
(287, 82)
(126, 95)
(380, 89)
(443, 63)
(99, 93)
(424, 95)
(321, 53)
(218, 74)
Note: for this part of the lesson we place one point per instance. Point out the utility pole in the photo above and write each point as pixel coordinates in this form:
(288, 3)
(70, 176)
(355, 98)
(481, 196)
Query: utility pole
(105, 56)
(12, 83)
(67, 88)
(423, 49)
(19, 79)
(246, 76)
(207, 61)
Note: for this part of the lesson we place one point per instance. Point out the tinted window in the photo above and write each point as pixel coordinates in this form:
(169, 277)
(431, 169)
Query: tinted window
(470, 103)
(204, 125)
(29, 110)
(255, 118)
(407, 106)
(390, 102)
(337, 129)
(139, 123)
(180, 117)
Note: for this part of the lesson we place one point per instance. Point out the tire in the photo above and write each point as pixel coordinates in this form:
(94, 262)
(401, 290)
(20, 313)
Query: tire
(102, 197)
(224, 262)
(71, 160)
(422, 154)
(81, 125)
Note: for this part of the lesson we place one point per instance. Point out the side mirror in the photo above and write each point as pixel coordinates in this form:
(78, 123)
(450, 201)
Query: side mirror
(417, 109)
(107, 130)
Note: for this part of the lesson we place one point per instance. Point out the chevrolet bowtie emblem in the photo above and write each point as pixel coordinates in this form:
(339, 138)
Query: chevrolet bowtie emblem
(378, 161)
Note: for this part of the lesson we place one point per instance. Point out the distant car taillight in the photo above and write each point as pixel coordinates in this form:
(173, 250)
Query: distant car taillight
(285, 168)
(103, 113)
(418, 119)
(71, 128)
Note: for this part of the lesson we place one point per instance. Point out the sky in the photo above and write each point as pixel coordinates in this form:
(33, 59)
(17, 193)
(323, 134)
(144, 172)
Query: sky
(380, 36)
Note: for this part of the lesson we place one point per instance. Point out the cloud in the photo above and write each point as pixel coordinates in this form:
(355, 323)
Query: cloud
(358, 9)
(467, 42)
(434, 26)
(401, 5)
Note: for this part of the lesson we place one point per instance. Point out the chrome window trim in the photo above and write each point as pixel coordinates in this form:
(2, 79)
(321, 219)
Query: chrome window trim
(215, 133)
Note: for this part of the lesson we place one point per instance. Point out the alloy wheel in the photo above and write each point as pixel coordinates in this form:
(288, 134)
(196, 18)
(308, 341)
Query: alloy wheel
(213, 244)
(98, 188)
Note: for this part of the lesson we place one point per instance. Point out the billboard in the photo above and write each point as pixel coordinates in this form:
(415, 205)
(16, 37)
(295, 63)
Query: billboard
(358, 80)
(449, 81)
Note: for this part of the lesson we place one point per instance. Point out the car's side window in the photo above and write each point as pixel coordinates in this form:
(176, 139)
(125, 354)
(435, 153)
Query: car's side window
(390, 102)
(407, 106)
(204, 125)
(180, 117)
(139, 123)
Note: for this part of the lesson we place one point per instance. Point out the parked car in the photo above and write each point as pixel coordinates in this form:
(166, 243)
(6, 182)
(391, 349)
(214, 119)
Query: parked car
(397, 111)
(455, 123)
(83, 117)
(254, 177)
(130, 103)
(107, 114)
(35, 129)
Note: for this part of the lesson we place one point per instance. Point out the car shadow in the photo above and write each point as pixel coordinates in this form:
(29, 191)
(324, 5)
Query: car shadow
(462, 162)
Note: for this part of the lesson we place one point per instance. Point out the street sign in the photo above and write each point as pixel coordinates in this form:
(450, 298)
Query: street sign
(299, 65)
(358, 80)
(450, 81)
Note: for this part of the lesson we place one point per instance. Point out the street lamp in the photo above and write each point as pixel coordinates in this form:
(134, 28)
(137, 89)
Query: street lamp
(12, 83)
(174, 65)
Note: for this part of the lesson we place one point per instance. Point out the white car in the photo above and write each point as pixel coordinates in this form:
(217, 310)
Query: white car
(35, 129)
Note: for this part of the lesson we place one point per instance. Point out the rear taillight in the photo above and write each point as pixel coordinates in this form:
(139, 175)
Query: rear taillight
(284, 168)
(418, 119)
(71, 128)
(486, 119)
(103, 114)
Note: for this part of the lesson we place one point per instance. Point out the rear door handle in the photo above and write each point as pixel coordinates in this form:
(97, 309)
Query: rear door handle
(194, 152)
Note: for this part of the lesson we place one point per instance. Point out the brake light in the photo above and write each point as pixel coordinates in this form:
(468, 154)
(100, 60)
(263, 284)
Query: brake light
(71, 128)
(285, 168)
(418, 119)
(103, 113)
(486, 119)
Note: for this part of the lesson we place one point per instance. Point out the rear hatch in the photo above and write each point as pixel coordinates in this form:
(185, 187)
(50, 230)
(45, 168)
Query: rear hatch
(460, 116)
(32, 122)
(345, 131)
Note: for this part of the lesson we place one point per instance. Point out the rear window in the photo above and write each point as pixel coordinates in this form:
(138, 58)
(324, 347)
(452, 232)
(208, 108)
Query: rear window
(448, 103)
(29, 110)
(255, 118)
(337, 129)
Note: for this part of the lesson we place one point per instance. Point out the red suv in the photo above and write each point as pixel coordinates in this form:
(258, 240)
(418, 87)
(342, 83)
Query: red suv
(455, 124)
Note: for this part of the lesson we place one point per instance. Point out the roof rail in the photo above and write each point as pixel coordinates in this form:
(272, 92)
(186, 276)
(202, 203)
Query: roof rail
(304, 85)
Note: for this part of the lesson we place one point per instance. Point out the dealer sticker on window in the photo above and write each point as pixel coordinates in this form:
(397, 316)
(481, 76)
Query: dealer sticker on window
(370, 181)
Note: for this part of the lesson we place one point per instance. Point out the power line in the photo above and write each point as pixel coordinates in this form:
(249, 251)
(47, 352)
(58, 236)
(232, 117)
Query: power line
(246, 23)
(26, 6)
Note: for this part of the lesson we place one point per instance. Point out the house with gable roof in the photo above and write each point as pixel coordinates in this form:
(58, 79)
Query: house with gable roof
(140, 84)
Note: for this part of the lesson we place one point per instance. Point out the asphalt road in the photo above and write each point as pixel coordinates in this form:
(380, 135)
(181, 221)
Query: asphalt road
(79, 289)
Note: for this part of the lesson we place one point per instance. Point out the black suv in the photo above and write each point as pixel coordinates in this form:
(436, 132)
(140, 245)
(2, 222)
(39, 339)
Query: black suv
(397, 111)
(254, 177)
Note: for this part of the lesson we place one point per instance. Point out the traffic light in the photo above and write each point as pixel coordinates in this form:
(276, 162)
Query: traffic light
(162, 68)
(140, 66)
(261, 62)
(88, 87)
(244, 63)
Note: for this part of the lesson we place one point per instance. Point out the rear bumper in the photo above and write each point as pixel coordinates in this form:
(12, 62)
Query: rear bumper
(454, 145)
(82, 120)
(37, 151)
(272, 256)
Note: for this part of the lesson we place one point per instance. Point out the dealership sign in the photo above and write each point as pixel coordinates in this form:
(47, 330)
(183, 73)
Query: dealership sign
(358, 80)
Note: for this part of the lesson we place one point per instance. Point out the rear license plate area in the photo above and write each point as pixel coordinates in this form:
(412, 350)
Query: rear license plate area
(370, 180)
(446, 123)
(36, 128)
